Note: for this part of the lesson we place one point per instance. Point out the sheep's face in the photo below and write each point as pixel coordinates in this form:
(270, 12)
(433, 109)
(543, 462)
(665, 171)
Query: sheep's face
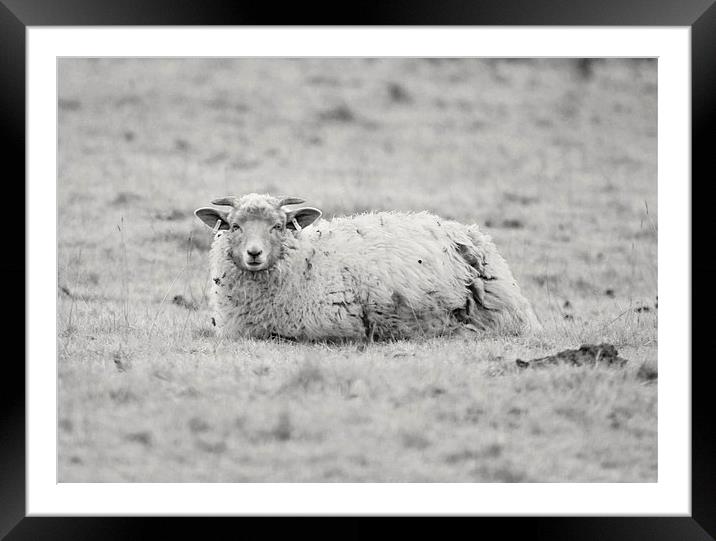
(256, 239)
(257, 228)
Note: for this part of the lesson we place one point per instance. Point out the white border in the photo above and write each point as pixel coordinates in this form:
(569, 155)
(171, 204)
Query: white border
(669, 496)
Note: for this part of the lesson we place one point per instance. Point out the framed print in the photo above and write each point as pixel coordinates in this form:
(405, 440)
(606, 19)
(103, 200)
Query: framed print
(425, 263)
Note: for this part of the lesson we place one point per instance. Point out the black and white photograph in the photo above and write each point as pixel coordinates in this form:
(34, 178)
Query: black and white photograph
(371, 270)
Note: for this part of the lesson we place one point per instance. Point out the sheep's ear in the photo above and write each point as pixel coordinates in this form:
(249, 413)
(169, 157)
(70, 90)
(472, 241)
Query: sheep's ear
(302, 217)
(210, 216)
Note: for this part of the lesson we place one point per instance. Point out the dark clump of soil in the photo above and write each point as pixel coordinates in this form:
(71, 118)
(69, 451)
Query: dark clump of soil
(308, 377)
(647, 373)
(121, 361)
(180, 300)
(588, 354)
(283, 429)
(341, 113)
(520, 199)
(122, 396)
(181, 145)
(216, 447)
(171, 215)
(143, 437)
(66, 291)
(399, 94)
(69, 104)
(125, 198)
(550, 280)
(197, 424)
(585, 68)
(66, 425)
(507, 223)
(315, 140)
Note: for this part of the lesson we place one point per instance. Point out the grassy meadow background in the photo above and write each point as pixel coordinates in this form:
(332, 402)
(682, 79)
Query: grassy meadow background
(556, 159)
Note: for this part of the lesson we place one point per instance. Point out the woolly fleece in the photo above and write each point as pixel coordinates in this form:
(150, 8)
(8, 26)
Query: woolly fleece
(384, 275)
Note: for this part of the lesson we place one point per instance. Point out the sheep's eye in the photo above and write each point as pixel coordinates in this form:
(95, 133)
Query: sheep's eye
(277, 227)
(235, 227)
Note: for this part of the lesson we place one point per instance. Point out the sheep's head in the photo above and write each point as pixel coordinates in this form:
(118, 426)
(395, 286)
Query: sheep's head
(257, 227)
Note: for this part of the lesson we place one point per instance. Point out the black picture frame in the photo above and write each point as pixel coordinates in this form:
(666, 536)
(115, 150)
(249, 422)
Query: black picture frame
(16, 15)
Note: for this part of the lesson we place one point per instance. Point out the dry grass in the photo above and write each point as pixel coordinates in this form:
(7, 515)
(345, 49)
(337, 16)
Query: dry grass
(558, 160)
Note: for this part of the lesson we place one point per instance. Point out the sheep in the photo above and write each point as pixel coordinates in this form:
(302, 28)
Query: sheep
(286, 273)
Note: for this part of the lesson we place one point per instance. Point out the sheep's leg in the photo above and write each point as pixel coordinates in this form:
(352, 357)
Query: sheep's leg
(279, 336)
(469, 315)
(368, 326)
(478, 296)
(498, 303)
(369, 329)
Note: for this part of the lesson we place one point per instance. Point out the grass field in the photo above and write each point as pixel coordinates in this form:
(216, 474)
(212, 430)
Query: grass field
(556, 159)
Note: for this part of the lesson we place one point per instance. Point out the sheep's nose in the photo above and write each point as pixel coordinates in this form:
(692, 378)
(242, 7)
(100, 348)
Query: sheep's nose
(254, 252)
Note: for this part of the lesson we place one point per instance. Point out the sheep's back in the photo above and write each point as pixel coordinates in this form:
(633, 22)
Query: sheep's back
(398, 257)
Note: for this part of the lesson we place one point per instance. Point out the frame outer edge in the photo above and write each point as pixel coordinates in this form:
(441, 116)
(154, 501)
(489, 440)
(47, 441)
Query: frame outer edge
(12, 130)
(703, 116)
(12, 271)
